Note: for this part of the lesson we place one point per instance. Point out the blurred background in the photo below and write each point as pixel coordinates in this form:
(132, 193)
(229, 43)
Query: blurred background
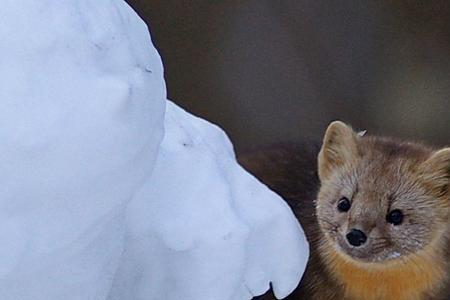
(269, 71)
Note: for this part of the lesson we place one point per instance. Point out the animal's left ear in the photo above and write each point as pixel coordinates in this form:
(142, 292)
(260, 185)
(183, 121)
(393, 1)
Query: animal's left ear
(338, 149)
(436, 171)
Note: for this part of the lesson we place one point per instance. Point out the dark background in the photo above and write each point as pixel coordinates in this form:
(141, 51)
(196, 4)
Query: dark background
(269, 71)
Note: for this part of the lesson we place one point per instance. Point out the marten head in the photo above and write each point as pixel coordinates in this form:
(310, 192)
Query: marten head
(381, 199)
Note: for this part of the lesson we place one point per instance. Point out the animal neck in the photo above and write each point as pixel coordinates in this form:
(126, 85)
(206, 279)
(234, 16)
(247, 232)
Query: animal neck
(407, 278)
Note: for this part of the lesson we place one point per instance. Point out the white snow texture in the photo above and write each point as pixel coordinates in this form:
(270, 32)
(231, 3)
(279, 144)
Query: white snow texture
(107, 190)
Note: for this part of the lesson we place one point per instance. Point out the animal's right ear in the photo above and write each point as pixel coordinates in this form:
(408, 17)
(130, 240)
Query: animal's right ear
(339, 147)
(436, 171)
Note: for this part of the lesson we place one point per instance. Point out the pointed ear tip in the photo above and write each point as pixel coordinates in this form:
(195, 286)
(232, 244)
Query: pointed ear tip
(444, 152)
(439, 159)
(338, 126)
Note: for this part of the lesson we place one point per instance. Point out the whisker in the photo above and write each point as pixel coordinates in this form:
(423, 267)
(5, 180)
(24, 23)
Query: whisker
(328, 222)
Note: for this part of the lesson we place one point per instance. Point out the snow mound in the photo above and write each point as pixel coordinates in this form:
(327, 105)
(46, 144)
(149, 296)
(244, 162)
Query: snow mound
(96, 202)
(203, 228)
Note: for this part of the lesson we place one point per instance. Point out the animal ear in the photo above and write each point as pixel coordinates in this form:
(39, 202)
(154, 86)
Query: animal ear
(436, 171)
(338, 148)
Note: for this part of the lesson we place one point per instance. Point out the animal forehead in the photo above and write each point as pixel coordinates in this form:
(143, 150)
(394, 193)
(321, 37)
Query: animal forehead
(385, 169)
(386, 180)
(390, 148)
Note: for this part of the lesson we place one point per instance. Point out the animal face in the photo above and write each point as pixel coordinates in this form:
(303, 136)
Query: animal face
(379, 200)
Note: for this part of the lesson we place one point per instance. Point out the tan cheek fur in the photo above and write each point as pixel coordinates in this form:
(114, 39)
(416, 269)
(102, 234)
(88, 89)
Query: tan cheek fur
(394, 280)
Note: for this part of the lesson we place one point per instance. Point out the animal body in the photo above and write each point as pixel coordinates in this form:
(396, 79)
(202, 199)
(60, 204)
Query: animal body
(376, 213)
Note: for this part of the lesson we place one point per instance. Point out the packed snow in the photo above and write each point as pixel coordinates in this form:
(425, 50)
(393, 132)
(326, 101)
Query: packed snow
(108, 190)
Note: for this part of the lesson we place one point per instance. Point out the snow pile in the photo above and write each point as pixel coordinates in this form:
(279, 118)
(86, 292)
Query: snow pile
(88, 208)
(202, 228)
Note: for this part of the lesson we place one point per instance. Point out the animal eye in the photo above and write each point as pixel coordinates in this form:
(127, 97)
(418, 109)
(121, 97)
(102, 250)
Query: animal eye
(395, 217)
(344, 205)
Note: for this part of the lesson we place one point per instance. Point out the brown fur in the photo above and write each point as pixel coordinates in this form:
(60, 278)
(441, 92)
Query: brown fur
(405, 262)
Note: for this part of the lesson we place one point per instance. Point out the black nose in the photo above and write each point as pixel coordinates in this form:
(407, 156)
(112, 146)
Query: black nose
(356, 237)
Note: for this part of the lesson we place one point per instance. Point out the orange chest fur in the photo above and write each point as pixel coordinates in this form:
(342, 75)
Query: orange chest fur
(410, 280)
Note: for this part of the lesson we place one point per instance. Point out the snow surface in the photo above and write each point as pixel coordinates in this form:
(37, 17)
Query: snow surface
(96, 201)
(203, 228)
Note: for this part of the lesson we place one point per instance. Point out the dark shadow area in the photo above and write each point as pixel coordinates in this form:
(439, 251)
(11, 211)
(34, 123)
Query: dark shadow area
(269, 71)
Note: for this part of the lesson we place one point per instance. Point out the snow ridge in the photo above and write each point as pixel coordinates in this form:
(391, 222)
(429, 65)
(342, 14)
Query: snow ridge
(108, 190)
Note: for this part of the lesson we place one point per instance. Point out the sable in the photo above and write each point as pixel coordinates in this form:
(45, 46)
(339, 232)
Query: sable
(375, 210)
